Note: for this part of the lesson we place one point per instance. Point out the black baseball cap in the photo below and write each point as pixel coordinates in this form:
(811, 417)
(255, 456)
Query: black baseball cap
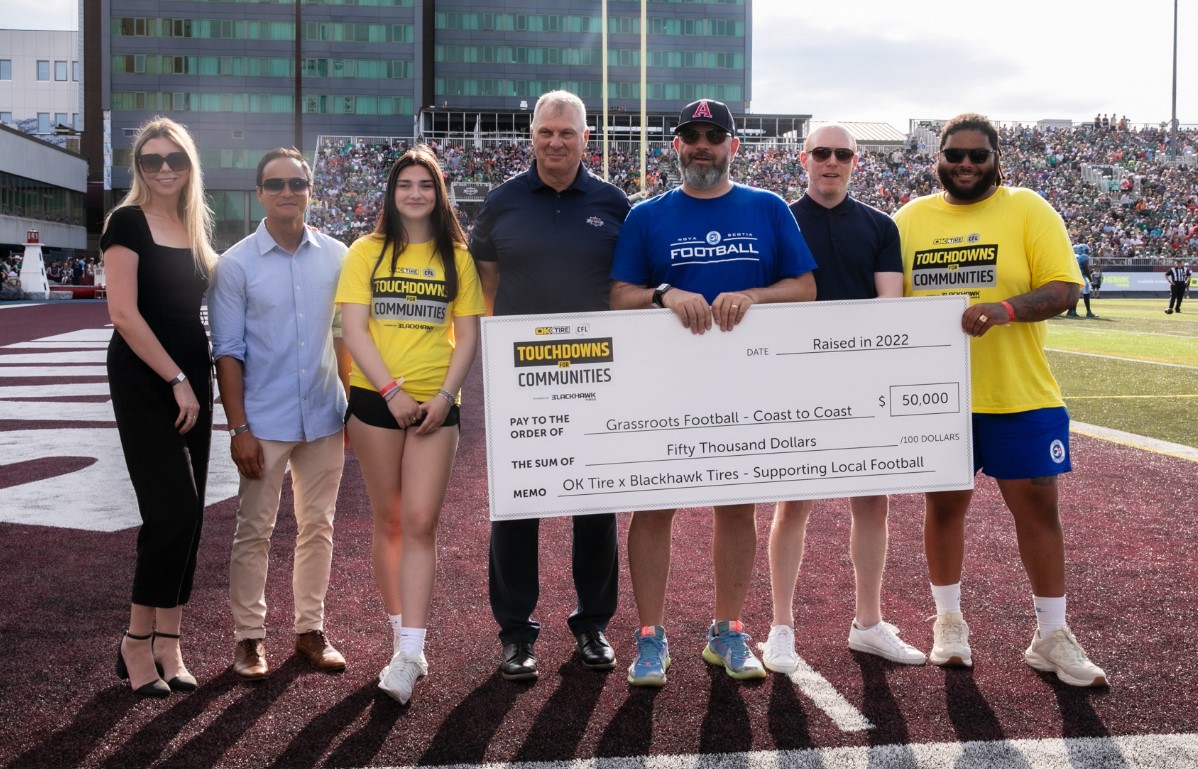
(707, 111)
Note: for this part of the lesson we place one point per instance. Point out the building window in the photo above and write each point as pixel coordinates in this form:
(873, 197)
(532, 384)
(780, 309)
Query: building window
(43, 70)
(60, 119)
(6, 118)
(43, 122)
(76, 121)
(60, 71)
(5, 69)
(75, 71)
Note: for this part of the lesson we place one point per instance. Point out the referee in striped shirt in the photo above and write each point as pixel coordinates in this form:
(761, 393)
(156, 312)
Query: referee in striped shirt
(1179, 280)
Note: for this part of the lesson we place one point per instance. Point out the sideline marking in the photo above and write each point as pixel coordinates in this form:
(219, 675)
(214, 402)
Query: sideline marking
(1135, 441)
(1147, 751)
(1116, 357)
(821, 691)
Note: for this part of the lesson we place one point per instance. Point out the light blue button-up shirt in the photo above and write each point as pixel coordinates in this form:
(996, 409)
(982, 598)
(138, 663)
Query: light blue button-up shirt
(274, 312)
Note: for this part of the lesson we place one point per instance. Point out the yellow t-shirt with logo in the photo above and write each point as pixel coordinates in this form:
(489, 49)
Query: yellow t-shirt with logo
(411, 318)
(1003, 246)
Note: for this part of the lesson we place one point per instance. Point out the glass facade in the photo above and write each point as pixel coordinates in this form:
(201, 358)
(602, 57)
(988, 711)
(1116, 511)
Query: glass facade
(20, 196)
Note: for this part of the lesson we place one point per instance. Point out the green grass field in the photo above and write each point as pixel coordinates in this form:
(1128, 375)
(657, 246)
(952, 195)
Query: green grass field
(1133, 368)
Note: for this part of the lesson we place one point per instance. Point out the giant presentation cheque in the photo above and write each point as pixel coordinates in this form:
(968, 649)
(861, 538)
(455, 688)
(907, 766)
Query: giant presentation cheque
(618, 411)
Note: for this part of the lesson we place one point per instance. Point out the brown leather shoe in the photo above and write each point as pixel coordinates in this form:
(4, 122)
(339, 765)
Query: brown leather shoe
(249, 659)
(316, 649)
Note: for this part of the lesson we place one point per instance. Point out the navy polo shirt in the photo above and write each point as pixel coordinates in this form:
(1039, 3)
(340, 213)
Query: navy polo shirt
(553, 249)
(850, 243)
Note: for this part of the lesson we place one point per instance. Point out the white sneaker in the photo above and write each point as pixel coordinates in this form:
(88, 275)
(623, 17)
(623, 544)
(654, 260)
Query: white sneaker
(1060, 653)
(882, 639)
(399, 678)
(950, 641)
(778, 651)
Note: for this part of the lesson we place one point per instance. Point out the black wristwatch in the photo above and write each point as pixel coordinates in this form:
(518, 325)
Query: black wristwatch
(659, 294)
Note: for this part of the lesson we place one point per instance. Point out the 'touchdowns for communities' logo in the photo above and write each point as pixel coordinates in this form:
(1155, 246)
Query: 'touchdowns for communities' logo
(562, 357)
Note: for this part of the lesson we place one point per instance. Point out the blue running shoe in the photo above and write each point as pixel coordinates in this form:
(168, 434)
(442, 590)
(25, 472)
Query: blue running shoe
(728, 645)
(652, 657)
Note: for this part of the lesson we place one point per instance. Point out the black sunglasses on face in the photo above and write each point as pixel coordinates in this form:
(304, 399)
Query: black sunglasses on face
(296, 183)
(976, 156)
(151, 162)
(714, 135)
(843, 154)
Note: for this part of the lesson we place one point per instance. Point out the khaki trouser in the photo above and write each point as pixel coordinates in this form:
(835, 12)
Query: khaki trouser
(315, 478)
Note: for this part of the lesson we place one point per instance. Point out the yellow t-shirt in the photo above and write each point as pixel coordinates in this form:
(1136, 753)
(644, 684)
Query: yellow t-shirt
(1008, 244)
(411, 318)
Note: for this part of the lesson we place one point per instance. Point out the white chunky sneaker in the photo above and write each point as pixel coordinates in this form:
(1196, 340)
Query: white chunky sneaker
(778, 651)
(399, 678)
(882, 639)
(950, 641)
(1060, 653)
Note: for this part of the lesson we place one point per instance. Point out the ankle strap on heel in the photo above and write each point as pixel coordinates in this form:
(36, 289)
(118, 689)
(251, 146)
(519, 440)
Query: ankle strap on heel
(138, 637)
(160, 634)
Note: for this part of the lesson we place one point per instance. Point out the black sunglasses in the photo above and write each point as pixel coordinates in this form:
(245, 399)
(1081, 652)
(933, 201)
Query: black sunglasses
(151, 162)
(714, 135)
(296, 183)
(976, 156)
(843, 154)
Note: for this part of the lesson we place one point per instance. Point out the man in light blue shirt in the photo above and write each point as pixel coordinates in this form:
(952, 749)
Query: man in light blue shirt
(282, 384)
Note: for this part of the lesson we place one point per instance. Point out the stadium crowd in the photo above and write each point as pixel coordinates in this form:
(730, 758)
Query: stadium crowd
(1129, 206)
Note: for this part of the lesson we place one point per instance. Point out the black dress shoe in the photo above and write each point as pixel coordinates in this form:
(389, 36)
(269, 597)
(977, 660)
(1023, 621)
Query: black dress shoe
(519, 662)
(595, 650)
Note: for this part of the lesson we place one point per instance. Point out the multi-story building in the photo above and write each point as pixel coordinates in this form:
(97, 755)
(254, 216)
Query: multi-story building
(40, 80)
(389, 68)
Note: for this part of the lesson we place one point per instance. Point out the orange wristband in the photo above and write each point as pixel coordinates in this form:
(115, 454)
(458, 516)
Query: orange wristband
(1010, 310)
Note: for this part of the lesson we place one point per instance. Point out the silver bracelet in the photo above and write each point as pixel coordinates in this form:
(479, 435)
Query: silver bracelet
(447, 395)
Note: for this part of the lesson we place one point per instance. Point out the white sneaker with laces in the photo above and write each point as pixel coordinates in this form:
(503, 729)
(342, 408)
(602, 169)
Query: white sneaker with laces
(950, 641)
(778, 651)
(1060, 653)
(882, 639)
(399, 678)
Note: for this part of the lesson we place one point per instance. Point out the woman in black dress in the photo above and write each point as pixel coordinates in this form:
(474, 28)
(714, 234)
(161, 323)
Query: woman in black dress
(157, 260)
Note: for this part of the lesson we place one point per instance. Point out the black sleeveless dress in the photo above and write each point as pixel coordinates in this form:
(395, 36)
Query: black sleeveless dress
(168, 470)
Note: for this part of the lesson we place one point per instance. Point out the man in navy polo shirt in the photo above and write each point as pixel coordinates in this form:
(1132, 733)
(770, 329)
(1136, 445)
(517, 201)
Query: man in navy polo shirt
(543, 243)
(857, 248)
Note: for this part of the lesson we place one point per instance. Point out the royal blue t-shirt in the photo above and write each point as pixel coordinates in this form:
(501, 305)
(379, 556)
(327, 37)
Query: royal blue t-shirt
(746, 238)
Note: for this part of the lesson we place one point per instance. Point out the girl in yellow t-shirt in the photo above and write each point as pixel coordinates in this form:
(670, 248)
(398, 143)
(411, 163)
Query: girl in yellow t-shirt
(410, 301)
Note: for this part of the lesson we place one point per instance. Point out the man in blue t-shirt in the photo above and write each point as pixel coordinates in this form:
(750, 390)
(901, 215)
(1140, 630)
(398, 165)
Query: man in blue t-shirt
(708, 251)
(1082, 252)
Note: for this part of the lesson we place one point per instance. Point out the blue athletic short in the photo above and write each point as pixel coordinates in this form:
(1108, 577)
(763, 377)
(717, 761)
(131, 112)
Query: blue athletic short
(1029, 444)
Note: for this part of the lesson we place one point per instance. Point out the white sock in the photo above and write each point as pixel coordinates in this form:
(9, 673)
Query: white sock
(411, 641)
(396, 621)
(947, 597)
(1050, 614)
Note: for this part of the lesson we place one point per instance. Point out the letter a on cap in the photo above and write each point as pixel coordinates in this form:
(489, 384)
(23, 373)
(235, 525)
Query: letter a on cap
(702, 110)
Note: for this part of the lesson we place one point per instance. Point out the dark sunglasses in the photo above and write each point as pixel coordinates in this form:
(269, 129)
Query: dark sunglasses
(843, 154)
(714, 135)
(151, 162)
(976, 156)
(296, 183)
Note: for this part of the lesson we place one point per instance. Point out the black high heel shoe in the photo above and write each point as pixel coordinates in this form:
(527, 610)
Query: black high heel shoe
(184, 682)
(156, 688)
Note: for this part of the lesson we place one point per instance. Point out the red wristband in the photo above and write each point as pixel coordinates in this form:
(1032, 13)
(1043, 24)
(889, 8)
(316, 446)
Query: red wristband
(389, 387)
(1010, 310)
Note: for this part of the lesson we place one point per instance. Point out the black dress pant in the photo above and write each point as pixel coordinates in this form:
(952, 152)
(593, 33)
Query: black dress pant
(168, 470)
(514, 575)
(1177, 292)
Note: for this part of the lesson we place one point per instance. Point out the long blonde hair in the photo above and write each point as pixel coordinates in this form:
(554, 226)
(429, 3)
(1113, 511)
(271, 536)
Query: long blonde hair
(193, 208)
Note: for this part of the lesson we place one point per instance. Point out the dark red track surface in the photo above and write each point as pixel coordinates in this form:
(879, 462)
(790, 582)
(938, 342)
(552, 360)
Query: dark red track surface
(1131, 531)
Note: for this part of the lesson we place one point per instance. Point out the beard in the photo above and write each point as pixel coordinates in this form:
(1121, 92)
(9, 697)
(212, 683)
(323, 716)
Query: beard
(986, 179)
(703, 177)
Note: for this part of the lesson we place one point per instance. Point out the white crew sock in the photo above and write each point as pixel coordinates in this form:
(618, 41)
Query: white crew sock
(947, 597)
(411, 641)
(1050, 614)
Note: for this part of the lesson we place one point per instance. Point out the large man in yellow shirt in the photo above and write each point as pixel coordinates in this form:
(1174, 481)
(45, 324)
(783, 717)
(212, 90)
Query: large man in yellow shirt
(1008, 251)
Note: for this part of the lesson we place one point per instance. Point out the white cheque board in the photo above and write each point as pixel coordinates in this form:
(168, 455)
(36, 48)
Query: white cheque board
(618, 411)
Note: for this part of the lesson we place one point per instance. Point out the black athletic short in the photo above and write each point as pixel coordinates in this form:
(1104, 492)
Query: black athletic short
(370, 408)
